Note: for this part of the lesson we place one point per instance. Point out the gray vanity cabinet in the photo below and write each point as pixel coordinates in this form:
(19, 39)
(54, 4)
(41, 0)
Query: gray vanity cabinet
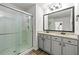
(47, 45)
(40, 42)
(44, 43)
(56, 48)
(69, 49)
(56, 45)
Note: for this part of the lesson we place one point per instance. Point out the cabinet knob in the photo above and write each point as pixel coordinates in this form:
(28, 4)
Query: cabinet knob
(63, 44)
(59, 43)
(55, 38)
(69, 41)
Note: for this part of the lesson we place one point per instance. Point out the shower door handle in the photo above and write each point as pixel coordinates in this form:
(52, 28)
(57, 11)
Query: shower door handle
(28, 27)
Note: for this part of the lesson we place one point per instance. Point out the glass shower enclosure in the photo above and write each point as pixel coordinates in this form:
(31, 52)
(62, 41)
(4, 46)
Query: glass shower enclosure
(15, 31)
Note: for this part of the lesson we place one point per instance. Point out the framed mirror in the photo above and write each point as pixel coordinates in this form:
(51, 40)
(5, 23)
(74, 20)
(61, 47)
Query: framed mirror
(62, 20)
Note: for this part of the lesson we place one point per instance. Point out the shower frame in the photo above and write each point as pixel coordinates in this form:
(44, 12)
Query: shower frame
(18, 10)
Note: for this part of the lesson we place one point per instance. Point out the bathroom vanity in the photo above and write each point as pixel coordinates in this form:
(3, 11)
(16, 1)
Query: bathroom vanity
(58, 44)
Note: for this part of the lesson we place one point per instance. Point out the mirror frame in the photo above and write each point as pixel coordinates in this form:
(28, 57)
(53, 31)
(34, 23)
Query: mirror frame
(73, 21)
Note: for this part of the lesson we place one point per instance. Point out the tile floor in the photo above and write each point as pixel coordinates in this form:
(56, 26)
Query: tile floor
(37, 52)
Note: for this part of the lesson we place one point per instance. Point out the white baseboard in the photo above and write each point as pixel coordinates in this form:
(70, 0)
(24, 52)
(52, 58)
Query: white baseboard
(36, 48)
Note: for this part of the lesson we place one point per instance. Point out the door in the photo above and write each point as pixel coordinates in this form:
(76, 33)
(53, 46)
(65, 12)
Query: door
(15, 31)
(47, 43)
(56, 47)
(69, 49)
(25, 32)
(40, 43)
(8, 31)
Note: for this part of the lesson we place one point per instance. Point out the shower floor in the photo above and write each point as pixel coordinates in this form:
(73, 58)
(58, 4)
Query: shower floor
(9, 51)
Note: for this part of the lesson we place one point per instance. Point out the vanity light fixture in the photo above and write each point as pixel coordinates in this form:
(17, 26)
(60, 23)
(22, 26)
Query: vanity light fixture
(54, 6)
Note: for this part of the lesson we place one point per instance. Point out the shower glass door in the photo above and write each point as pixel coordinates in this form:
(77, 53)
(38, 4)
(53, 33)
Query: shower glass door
(8, 31)
(15, 32)
(24, 39)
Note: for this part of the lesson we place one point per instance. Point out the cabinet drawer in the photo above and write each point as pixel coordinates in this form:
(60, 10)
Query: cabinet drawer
(40, 35)
(47, 36)
(56, 38)
(70, 41)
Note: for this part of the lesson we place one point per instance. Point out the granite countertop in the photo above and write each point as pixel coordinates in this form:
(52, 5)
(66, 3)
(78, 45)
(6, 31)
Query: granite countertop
(67, 35)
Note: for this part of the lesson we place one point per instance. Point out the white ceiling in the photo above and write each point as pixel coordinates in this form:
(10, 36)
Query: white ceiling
(23, 6)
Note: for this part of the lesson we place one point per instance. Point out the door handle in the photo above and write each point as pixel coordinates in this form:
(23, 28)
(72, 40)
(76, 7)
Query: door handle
(14, 51)
(28, 27)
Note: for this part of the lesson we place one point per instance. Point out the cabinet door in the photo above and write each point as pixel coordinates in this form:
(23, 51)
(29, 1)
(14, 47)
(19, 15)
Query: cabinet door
(47, 45)
(40, 42)
(56, 47)
(69, 49)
